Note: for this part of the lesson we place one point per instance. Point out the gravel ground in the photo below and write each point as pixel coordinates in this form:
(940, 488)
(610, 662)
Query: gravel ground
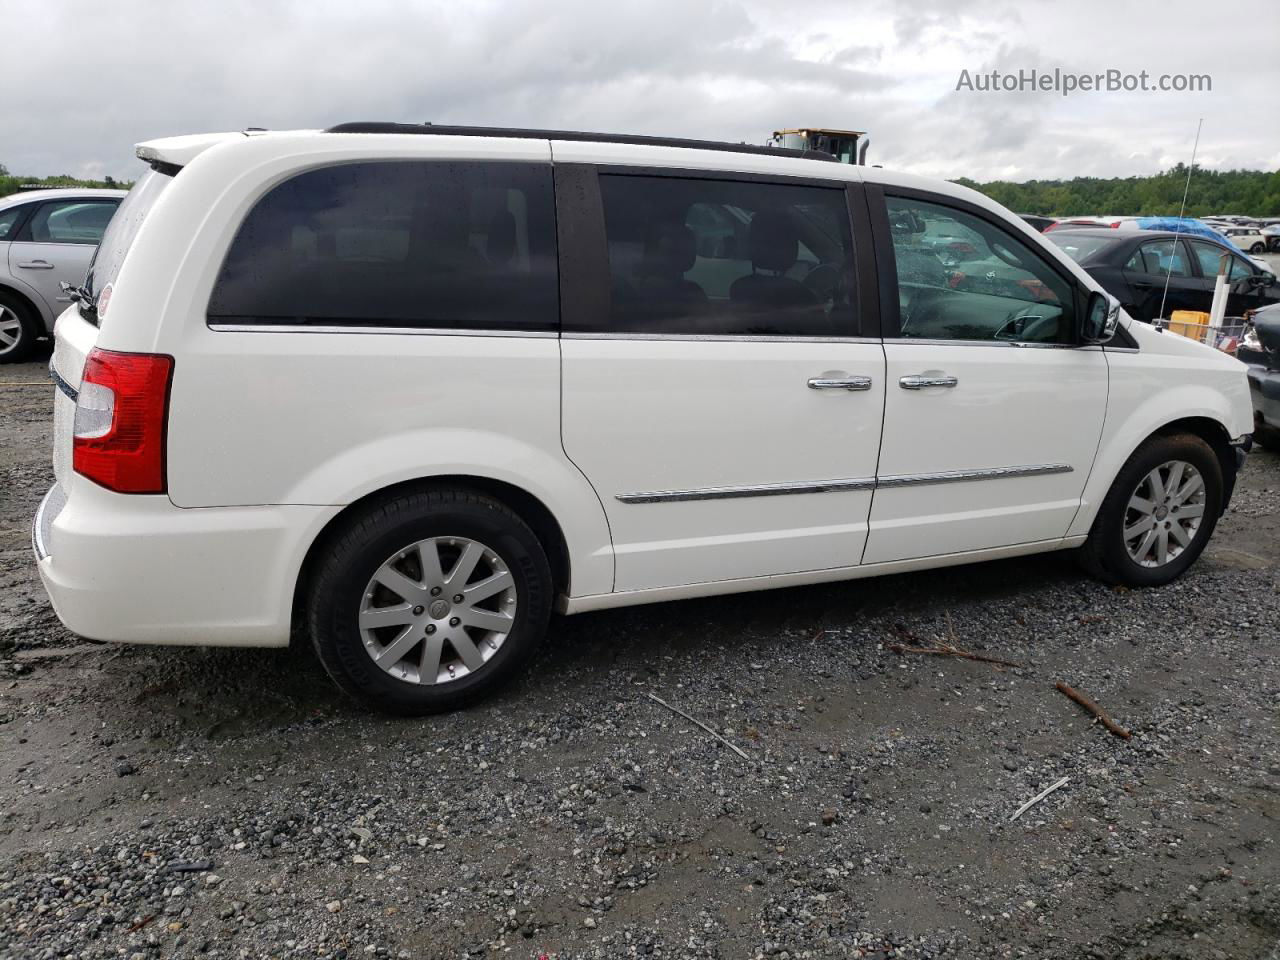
(181, 802)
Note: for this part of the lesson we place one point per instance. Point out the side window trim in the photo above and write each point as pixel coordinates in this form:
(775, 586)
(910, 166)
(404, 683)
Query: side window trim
(886, 261)
(585, 293)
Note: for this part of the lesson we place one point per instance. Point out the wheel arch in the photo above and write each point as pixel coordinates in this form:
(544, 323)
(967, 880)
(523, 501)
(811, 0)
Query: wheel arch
(28, 300)
(1110, 462)
(528, 507)
(1216, 435)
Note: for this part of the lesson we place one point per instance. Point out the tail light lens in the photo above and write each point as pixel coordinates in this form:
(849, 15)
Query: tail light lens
(121, 417)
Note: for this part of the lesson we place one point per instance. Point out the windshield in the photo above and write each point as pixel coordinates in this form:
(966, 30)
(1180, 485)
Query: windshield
(1079, 248)
(109, 256)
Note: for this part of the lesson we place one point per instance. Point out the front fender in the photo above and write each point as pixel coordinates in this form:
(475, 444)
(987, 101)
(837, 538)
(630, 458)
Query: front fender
(1133, 415)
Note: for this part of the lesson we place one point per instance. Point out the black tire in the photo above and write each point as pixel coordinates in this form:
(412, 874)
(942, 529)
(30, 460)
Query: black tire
(29, 329)
(363, 544)
(1266, 436)
(1104, 554)
(1258, 248)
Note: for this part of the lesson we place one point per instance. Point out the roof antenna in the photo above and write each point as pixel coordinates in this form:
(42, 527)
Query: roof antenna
(1181, 213)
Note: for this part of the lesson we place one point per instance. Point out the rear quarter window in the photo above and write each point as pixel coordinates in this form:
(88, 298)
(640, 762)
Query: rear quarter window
(416, 244)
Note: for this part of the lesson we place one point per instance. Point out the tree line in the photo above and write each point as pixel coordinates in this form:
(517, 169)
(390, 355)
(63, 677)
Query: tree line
(11, 183)
(1250, 193)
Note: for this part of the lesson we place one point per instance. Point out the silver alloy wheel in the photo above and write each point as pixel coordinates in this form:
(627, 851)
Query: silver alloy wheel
(437, 610)
(10, 330)
(1164, 514)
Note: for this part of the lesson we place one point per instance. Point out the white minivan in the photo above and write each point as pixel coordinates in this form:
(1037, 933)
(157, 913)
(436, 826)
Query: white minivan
(409, 389)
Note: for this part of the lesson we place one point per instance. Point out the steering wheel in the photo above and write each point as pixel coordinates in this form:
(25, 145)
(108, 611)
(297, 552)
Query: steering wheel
(1025, 325)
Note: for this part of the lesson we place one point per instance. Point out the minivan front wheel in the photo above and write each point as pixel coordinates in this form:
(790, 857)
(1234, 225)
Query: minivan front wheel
(429, 601)
(1159, 514)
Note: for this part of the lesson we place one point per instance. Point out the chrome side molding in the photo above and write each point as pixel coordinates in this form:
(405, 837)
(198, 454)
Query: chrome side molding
(835, 486)
(758, 490)
(963, 476)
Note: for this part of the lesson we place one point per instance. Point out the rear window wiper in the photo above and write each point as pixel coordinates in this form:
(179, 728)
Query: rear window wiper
(81, 295)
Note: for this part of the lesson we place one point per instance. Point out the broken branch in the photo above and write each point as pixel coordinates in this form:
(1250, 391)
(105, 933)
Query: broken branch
(1098, 713)
(738, 750)
(946, 650)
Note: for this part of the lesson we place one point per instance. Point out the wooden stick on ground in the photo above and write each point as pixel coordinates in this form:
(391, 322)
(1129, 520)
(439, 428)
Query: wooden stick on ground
(738, 750)
(920, 646)
(946, 650)
(1097, 711)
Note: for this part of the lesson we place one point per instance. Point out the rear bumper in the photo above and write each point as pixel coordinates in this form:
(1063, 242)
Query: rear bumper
(137, 569)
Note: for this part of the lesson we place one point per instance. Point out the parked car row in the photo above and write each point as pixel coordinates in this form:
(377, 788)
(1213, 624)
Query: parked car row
(1154, 273)
(47, 237)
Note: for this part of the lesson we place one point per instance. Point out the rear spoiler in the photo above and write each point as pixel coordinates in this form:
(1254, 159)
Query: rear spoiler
(171, 154)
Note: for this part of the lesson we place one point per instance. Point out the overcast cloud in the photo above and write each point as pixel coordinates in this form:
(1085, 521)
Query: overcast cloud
(84, 81)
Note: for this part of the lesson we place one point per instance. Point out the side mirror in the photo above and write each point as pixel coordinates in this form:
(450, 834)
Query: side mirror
(1101, 317)
(1261, 279)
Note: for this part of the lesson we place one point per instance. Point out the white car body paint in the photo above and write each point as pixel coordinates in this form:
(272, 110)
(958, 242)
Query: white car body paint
(272, 433)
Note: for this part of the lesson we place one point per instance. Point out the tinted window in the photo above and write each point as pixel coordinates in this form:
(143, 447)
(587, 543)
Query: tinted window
(9, 219)
(397, 243)
(70, 221)
(1158, 258)
(727, 258)
(963, 278)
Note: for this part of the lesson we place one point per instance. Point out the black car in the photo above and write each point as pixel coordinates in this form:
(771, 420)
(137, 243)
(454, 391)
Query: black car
(1132, 266)
(1262, 352)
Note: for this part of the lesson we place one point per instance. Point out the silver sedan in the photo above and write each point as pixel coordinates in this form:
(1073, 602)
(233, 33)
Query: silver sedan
(46, 237)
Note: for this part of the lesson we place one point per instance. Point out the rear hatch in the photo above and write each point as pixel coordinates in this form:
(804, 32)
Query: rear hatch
(77, 330)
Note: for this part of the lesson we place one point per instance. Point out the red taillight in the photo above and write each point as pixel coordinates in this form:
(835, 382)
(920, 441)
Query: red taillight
(121, 416)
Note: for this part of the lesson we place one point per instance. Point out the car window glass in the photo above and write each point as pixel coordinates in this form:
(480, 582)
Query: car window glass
(398, 243)
(1240, 268)
(1158, 258)
(71, 221)
(1208, 255)
(9, 219)
(727, 258)
(963, 278)
(1079, 248)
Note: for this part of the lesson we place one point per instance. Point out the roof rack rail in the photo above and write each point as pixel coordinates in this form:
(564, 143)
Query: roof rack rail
(522, 133)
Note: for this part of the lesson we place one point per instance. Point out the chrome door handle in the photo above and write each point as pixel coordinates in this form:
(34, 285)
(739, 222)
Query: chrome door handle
(919, 383)
(36, 265)
(840, 383)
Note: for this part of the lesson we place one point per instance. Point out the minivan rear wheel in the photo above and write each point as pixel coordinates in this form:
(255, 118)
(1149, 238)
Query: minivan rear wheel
(429, 601)
(1159, 514)
(19, 330)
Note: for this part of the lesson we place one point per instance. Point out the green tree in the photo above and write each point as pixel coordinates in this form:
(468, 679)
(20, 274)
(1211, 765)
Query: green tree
(1253, 193)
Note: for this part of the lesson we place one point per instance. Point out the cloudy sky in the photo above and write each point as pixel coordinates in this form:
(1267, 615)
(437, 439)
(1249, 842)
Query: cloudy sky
(86, 79)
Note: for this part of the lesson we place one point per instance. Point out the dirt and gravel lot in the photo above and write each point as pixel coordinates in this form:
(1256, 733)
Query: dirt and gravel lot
(181, 802)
